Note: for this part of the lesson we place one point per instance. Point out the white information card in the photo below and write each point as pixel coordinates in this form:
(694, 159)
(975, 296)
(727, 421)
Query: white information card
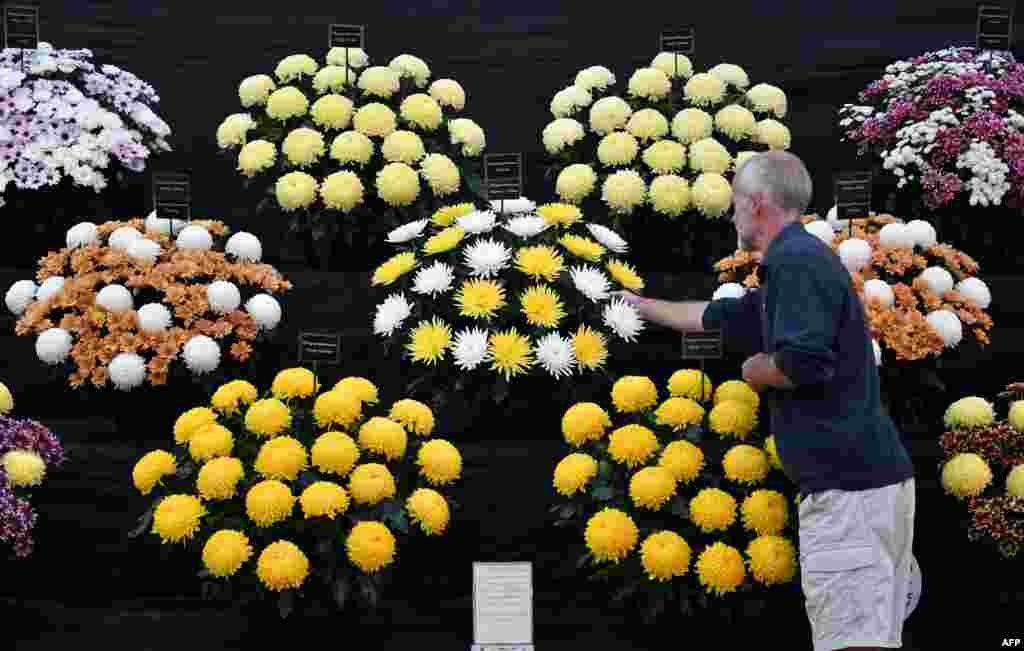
(502, 607)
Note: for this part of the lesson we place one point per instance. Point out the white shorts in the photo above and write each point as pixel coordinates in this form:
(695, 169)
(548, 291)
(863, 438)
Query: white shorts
(856, 565)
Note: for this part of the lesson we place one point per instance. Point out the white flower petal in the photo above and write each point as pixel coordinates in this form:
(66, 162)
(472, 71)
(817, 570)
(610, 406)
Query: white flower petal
(608, 238)
(477, 222)
(623, 319)
(556, 355)
(433, 280)
(391, 314)
(591, 282)
(202, 354)
(486, 258)
(526, 227)
(407, 232)
(127, 371)
(470, 348)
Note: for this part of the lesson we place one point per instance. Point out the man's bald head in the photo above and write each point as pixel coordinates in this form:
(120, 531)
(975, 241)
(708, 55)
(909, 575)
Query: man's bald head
(779, 176)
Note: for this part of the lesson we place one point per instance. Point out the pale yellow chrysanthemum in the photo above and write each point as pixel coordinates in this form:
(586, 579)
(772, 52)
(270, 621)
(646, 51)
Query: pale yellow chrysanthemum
(768, 99)
(333, 79)
(968, 413)
(296, 190)
(617, 148)
(403, 147)
(665, 157)
(670, 195)
(650, 83)
(648, 125)
(576, 182)
(708, 155)
(704, 89)
(624, 191)
(711, 194)
(342, 191)
(441, 173)
(736, 122)
(375, 120)
(352, 147)
(303, 147)
(966, 475)
(398, 184)
(773, 133)
(1015, 481)
(422, 111)
(286, 103)
(673, 65)
(256, 156)
(691, 125)
(1016, 415)
(254, 91)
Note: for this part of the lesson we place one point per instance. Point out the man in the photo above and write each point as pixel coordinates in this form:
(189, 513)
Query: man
(815, 364)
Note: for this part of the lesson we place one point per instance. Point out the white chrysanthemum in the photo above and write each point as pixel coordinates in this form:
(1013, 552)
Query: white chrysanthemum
(594, 77)
(244, 246)
(561, 133)
(144, 250)
(413, 67)
(164, 226)
(448, 92)
(623, 319)
(82, 234)
(527, 226)
(556, 355)
(127, 371)
(265, 311)
(53, 345)
(194, 238)
(123, 237)
(470, 348)
(407, 232)
(591, 282)
(729, 290)
(477, 222)
(673, 65)
(768, 99)
(50, 288)
(939, 280)
(433, 280)
(922, 233)
(223, 296)
(731, 74)
(880, 290)
(608, 238)
(691, 125)
(609, 114)
(354, 57)
(822, 230)
(20, 296)
(650, 83)
(878, 352)
(201, 354)
(855, 254)
(115, 298)
(948, 326)
(568, 101)
(895, 236)
(486, 258)
(153, 318)
(391, 314)
(513, 206)
(975, 289)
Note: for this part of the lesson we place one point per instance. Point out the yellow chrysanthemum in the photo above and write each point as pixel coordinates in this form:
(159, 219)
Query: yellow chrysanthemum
(294, 383)
(690, 383)
(665, 157)
(745, 464)
(337, 408)
(590, 348)
(736, 122)
(772, 560)
(296, 66)
(773, 133)
(255, 90)
(152, 468)
(966, 475)
(625, 275)
(480, 299)
(720, 569)
(333, 78)
(256, 156)
(704, 89)
(303, 147)
(652, 487)
(211, 440)
(673, 65)
(632, 445)
(683, 459)
(584, 421)
(439, 462)
(335, 452)
(429, 341)
(403, 147)
(394, 268)
(691, 125)
(737, 390)
(296, 190)
(398, 184)
(225, 552)
(542, 306)
(352, 147)
(768, 99)
(229, 397)
(448, 215)
(360, 388)
(375, 120)
(617, 148)
(732, 418)
(648, 125)
(414, 415)
(423, 111)
(560, 214)
(192, 420)
(708, 155)
(282, 566)
(383, 436)
(269, 502)
(371, 483)
(575, 182)
(332, 112)
(286, 103)
(773, 453)
(765, 512)
(23, 468)
(670, 195)
(610, 535)
(429, 510)
(1015, 481)
(282, 458)
(1016, 415)
(573, 473)
(665, 555)
(582, 247)
(441, 173)
(218, 478)
(539, 262)
(323, 499)
(510, 353)
(712, 509)
(679, 413)
(624, 191)
(176, 518)
(968, 413)
(268, 417)
(634, 393)
(370, 546)
(650, 83)
(711, 194)
(445, 240)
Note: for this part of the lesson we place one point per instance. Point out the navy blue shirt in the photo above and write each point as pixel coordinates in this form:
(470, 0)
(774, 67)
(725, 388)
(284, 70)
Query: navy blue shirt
(830, 430)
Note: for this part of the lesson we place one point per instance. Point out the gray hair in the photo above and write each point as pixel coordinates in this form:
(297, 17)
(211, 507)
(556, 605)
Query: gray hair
(778, 174)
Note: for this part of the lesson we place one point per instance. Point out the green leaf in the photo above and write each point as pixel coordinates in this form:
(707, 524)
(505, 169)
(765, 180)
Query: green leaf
(145, 520)
(286, 603)
(340, 591)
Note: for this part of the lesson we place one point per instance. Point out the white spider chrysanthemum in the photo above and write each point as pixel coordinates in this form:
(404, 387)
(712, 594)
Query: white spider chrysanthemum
(623, 319)
(153, 318)
(194, 238)
(513, 206)
(855, 254)
(82, 234)
(433, 280)
(948, 325)
(20, 296)
(486, 258)
(556, 355)
(127, 371)
(115, 298)
(939, 280)
(391, 314)
(223, 296)
(729, 290)
(202, 354)
(407, 232)
(591, 282)
(526, 227)
(123, 237)
(470, 348)
(608, 238)
(264, 310)
(164, 226)
(244, 246)
(975, 289)
(50, 288)
(144, 250)
(53, 345)
(477, 222)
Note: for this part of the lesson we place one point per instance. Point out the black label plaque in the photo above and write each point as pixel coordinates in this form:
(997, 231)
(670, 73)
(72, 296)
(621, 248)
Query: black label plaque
(321, 347)
(503, 176)
(172, 196)
(703, 345)
(21, 27)
(347, 36)
(853, 195)
(995, 27)
(678, 41)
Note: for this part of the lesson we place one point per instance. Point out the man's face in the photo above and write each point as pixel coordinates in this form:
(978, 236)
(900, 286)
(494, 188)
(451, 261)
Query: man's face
(743, 220)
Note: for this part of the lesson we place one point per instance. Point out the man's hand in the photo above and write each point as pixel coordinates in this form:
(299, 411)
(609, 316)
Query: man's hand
(635, 300)
(760, 371)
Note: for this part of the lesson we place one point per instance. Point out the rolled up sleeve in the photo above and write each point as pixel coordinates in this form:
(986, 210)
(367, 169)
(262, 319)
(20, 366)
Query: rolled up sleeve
(739, 320)
(805, 322)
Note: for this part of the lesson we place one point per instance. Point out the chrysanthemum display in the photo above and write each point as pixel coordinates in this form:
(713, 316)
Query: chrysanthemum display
(983, 468)
(65, 117)
(301, 487)
(668, 142)
(133, 302)
(677, 491)
(947, 124)
(346, 146)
